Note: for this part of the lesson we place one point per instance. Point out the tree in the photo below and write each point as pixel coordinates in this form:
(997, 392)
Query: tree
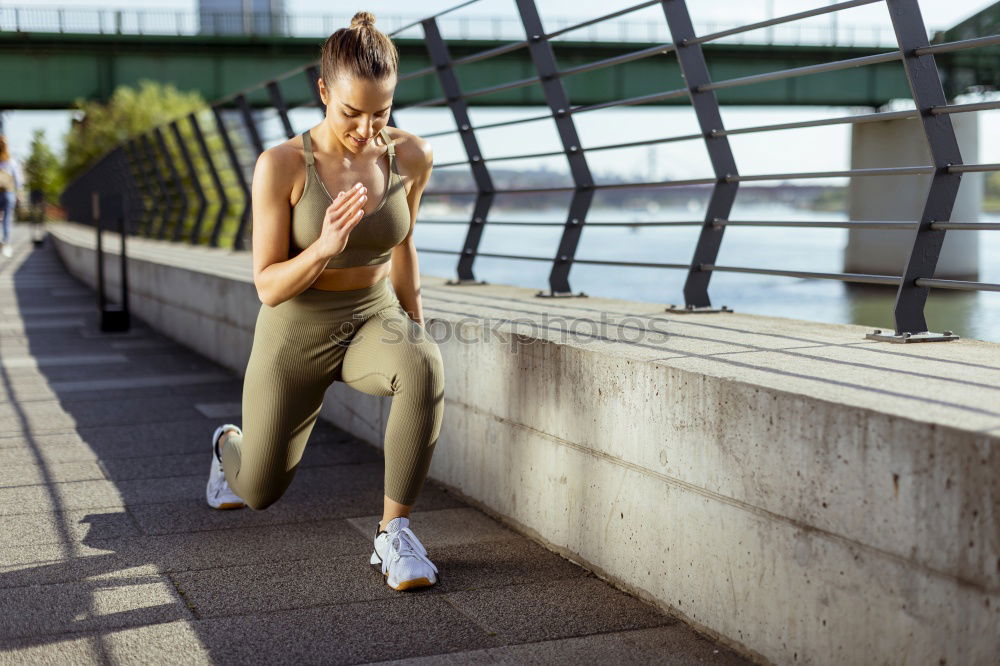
(129, 112)
(42, 169)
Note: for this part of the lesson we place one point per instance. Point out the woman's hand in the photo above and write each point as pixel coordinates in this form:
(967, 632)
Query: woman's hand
(341, 217)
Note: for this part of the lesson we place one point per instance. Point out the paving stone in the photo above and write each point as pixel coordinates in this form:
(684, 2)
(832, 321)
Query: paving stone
(560, 609)
(49, 564)
(91, 385)
(498, 564)
(31, 475)
(177, 643)
(350, 633)
(59, 497)
(40, 610)
(75, 451)
(57, 650)
(218, 410)
(446, 527)
(676, 645)
(156, 467)
(194, 515)
(94, 411)
(43, 443)
(245, 590)
(40, 362)
(132, 555)
(65, 527)
(40, 391)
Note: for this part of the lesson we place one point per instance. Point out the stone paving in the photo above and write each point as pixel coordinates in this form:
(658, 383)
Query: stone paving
(109, 553)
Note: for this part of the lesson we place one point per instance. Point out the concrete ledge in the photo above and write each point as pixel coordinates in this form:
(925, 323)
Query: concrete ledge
(802, 493)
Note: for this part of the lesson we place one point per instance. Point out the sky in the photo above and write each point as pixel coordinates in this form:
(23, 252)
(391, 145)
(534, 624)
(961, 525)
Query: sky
(824, 148)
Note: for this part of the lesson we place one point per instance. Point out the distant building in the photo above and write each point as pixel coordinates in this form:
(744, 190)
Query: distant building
(242, 17)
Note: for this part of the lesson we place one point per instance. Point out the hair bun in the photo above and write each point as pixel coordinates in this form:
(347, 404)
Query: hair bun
(362, 19)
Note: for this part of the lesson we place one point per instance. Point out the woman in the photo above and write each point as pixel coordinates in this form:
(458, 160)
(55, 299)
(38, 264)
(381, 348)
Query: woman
(10, 186)
(321, 266)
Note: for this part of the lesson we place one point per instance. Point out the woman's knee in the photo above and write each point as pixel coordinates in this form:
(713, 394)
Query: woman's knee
(262, 497)
(425, 363)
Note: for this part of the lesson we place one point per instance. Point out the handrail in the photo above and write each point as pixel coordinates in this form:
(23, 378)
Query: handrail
(157, 178)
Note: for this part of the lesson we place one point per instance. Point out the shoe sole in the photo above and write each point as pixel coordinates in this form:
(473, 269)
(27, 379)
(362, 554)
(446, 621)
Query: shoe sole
(229, 505)
(409, 584)
(406, 584)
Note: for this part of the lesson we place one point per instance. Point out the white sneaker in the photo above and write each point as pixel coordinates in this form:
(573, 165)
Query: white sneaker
(8, 251)
(218, 493)
(401, 557)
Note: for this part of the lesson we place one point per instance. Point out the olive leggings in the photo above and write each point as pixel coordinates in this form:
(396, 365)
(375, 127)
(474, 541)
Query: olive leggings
(361, 337)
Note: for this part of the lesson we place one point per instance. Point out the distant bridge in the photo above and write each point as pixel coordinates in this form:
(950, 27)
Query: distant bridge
(49, 58)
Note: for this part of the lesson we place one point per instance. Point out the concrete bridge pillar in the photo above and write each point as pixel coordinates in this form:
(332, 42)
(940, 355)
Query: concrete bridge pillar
(902, 142)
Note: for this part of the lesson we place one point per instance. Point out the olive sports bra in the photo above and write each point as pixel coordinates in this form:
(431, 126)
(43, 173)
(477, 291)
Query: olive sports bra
(372, 240)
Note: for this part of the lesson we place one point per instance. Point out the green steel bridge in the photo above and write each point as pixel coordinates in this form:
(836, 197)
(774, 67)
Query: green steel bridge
(49, 70)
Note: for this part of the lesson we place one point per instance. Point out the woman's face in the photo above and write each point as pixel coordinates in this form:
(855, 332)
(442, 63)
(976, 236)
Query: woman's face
(357, 109)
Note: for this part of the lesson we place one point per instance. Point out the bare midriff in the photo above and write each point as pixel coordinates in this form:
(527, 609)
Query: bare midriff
(355, 277)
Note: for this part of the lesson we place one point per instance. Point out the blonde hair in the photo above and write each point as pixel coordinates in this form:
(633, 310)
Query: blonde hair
(361, 50)
(4, 153)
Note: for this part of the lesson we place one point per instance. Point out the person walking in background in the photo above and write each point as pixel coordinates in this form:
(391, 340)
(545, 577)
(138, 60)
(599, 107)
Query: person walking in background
(10, 187)
(321, 266)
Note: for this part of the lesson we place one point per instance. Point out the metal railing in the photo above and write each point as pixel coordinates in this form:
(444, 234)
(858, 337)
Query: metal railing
(160, 196)
(180, 23)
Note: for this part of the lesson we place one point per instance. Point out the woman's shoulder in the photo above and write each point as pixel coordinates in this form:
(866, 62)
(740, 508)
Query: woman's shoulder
(413, 152)
(280, 161)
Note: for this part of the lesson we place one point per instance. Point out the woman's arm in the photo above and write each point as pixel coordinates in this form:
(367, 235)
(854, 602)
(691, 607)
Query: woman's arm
(405, 269)
(277, 277)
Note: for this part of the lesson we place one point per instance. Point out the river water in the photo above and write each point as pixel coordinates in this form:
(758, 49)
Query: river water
(968, 314)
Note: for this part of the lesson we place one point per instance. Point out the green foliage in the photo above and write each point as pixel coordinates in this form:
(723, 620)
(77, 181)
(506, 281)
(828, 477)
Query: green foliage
(101, 127)
(42, 170)
(132, 112)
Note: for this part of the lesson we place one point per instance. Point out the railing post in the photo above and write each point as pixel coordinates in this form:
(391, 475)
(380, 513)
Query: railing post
(195, 182)
(180, 194)
(139, 177)
(441, 59)
(925, 84)
(216, 179)
(132, 204)
(109, 206)
(240, 177)
(164, 204)
(555, 95)
(694, 69)
(248, 122)
(278, 100)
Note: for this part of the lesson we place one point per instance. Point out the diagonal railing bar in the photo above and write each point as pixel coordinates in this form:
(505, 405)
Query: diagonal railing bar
(278, 102)
(220, 190)
(241, 179)
(694, 69)
(544, 60)
(438, 51)
(925, 84)
(193, 178)
(181, 208)
(139, 176)
(164, 203)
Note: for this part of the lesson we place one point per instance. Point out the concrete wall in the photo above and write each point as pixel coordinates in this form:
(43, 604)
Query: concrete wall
(797, 522)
